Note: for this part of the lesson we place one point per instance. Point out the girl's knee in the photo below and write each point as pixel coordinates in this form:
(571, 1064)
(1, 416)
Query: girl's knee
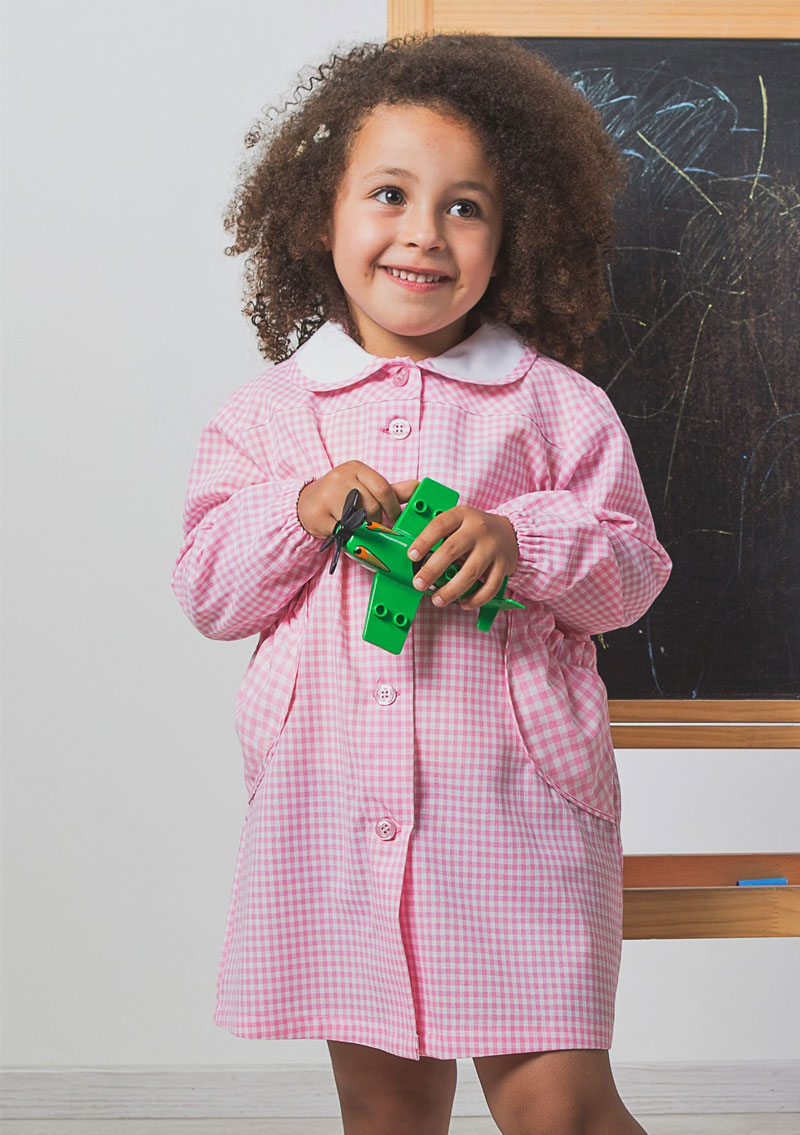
(381, 1094)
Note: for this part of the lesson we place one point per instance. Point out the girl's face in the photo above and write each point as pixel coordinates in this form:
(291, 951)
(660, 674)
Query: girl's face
(404, 203)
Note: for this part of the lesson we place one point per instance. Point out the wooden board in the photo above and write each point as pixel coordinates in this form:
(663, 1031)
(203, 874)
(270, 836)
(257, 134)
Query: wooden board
(696, 896)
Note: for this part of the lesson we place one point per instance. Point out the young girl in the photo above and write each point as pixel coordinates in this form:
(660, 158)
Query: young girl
(430, 863)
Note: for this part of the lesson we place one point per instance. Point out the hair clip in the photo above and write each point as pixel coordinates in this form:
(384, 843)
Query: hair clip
(323, 131)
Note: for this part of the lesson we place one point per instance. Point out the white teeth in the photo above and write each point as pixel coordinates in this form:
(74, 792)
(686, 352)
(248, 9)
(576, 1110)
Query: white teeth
(414, 277)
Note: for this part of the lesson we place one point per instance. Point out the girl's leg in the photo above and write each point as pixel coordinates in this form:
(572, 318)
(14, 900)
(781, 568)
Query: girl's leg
(568, 1092)
(384, 1094)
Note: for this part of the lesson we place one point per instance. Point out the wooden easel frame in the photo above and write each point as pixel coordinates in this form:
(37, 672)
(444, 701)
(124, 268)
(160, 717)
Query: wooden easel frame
(705, 723)
(674, 19)
(666, 896)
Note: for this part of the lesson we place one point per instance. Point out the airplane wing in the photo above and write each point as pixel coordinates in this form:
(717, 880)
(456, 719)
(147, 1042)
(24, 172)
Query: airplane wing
(429, 496)
(390, 613)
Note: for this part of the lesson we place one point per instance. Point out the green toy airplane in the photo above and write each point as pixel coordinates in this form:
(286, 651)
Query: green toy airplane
(394, 600)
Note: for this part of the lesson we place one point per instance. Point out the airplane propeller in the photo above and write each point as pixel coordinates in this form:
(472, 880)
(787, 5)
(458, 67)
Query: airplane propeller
(352, 518)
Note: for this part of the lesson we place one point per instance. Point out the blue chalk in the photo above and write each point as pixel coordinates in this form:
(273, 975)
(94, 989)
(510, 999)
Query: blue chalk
(776, 882)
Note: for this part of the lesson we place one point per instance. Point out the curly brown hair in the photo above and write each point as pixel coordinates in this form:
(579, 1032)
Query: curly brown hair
(559, 173)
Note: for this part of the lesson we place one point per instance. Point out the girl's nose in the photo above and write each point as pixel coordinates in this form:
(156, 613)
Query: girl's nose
(422, 227)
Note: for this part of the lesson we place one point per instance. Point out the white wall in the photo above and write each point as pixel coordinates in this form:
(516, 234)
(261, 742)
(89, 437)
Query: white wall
(123, 793)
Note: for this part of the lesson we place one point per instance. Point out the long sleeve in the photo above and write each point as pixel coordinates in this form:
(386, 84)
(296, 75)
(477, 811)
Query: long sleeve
(588, 549)
(245, 555)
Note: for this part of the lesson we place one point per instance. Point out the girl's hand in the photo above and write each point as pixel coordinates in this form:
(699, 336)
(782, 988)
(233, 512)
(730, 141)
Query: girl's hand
(321, 503)
(489, 543)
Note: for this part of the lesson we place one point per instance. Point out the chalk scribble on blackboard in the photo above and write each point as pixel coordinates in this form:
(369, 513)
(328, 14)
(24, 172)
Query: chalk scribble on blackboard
(704, 357)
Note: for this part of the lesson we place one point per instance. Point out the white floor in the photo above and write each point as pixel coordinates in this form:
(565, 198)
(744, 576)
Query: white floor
(754, 1124)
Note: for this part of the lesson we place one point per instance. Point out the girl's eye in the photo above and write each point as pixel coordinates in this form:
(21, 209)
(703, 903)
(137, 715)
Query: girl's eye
(393, 189)
(388, 189)
(472, 205)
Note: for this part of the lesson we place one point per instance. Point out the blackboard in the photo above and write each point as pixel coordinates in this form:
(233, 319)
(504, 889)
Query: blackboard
(704, 352)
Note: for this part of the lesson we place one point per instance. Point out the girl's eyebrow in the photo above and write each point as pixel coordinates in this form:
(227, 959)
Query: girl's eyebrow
(395, 171)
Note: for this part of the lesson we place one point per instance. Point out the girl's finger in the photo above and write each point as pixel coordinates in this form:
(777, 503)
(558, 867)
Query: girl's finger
(470, 571)
(447, 523)
(447, 553)
(370, 502)
(488, 591)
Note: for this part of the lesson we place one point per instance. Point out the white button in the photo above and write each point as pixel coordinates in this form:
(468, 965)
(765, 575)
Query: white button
(386, 828)
(399, 427)
(385, 694)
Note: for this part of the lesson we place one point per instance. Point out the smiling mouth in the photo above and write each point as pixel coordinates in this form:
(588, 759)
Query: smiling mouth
(414, 277)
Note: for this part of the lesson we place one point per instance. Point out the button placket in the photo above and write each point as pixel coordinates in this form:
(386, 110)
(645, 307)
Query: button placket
(399, 427)
(385, 694)
(386, 827)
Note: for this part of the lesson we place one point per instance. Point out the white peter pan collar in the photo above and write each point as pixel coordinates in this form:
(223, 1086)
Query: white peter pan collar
(492, 355)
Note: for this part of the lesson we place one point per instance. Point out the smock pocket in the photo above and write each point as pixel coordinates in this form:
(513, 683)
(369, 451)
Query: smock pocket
(559, 706)
(266, 693)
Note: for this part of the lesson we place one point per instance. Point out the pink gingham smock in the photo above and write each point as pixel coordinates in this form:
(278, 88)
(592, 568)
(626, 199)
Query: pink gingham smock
(430, 860)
